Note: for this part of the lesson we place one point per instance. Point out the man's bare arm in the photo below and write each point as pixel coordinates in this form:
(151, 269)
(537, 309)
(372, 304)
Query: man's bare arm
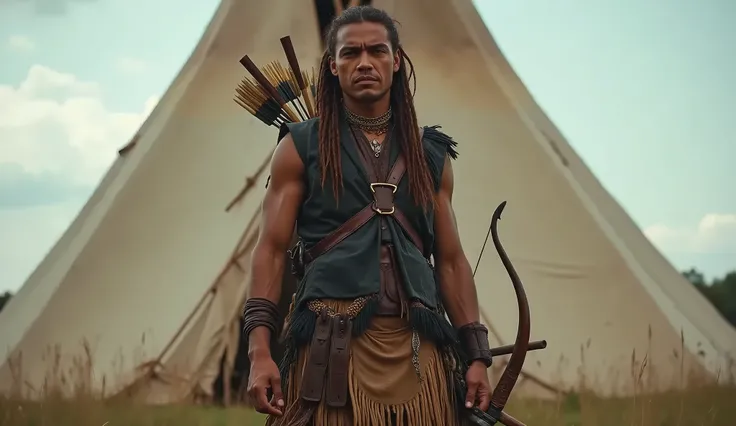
(459, 295)
(456, 276)
(278, 216)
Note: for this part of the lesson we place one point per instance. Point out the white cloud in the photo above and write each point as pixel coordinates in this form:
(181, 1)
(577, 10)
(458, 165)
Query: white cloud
(130, 65)
(57, 139)
(55, 123)
(709, 245)
(714, 234)
(19, 43)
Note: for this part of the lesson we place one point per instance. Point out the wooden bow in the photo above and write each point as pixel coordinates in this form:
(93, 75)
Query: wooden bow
(521, 346)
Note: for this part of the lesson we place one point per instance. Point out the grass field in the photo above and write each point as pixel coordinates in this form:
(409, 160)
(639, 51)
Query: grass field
(702, 406)
(699, 402)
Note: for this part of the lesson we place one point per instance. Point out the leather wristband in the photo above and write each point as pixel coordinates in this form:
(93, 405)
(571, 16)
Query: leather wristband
(474, 341)
(260, 312)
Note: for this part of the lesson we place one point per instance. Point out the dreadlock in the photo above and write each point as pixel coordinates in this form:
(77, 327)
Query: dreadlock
(406, 129)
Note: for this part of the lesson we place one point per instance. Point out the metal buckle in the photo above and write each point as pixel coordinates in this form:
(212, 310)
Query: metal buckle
(393, 190)
(384, 212)
(385, 184)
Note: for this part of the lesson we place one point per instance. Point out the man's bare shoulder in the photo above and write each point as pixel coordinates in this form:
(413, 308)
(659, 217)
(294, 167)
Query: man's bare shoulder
(286, 164)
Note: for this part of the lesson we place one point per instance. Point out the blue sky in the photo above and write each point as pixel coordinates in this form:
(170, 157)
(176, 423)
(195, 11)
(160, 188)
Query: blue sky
(643, 91)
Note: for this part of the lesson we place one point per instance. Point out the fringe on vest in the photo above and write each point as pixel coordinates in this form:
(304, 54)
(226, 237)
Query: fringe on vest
(435, 135)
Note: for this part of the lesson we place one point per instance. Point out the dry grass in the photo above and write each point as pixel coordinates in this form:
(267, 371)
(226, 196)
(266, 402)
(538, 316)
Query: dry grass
(697, 402)
(707, 406)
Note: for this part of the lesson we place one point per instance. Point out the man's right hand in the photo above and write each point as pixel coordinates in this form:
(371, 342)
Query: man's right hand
(264, 374)
(279, 211)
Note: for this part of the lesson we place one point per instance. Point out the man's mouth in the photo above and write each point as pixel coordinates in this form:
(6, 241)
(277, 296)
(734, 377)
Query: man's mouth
(366, 79)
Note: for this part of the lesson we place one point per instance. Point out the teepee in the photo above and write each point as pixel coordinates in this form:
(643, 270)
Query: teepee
(142, 294)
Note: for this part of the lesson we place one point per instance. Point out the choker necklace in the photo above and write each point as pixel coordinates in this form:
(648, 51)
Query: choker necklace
(374, 125)
(377, 126)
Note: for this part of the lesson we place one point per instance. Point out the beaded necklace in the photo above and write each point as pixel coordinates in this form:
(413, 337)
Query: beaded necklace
(373, 125)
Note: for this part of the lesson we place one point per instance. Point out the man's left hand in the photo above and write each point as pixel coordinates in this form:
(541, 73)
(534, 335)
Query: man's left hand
(479, 390)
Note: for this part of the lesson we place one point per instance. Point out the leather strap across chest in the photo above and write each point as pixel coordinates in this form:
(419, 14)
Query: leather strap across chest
(382, 204)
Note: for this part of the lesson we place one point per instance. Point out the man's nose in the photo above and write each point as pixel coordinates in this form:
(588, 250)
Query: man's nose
(364, 64)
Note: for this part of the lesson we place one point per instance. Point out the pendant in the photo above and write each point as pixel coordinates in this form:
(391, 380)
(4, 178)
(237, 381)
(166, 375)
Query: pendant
(376, 146)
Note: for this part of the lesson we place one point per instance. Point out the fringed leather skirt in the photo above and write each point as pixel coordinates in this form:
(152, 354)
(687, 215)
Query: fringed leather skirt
(387, 376)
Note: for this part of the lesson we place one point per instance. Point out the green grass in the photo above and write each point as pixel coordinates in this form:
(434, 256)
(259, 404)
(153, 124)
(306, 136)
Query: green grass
(706, 406)
(88, 413)
(703, 406)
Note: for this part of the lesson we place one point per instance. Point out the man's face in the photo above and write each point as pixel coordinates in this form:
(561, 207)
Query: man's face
(363, 61)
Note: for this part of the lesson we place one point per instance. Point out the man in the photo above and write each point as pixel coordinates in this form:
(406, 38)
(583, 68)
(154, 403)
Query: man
(371, 196)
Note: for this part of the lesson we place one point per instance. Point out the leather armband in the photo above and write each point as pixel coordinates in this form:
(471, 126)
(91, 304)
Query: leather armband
(260, 312)
(474, 342)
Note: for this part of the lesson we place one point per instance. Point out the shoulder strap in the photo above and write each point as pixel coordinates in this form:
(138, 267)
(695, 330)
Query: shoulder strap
(364, 215)
(356, 221)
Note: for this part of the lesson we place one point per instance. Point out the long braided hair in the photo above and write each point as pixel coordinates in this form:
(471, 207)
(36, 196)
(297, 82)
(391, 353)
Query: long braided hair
(406, 129)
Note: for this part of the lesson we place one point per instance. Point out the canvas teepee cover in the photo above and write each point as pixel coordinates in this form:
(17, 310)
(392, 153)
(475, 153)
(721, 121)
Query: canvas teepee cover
(150, 274)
